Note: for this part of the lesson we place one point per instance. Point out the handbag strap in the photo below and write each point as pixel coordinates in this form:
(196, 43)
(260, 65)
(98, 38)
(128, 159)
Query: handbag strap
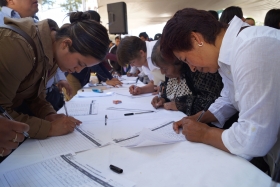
(29, 40)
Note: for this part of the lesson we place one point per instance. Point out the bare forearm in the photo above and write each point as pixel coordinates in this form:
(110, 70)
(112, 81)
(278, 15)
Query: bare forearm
(213, 137)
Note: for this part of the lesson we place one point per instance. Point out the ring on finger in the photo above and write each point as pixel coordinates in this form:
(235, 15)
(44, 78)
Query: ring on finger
(15, 139)
(1, 155)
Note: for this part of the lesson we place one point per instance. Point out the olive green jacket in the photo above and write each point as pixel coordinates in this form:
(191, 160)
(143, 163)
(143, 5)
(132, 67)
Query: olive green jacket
(16, 62)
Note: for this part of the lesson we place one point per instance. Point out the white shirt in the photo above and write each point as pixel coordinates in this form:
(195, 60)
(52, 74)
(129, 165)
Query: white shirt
(147, 70)
(250, 67)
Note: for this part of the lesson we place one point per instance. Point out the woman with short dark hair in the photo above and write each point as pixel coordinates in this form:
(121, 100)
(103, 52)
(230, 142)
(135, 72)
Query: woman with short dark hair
(248, 60)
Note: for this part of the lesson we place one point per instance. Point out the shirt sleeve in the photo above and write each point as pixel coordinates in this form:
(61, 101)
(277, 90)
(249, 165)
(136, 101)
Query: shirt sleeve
(255, 70)
(59, 75)
(11, 75)
(222, 108)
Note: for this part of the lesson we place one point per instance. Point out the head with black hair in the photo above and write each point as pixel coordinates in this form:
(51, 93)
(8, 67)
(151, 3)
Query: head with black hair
(83, 43)
(214, 13)
(144, 36)
(170, 68)
(132, 50)
(94, 15)
(272, 18)
(229, 13)
(250, 21)
(3, 3)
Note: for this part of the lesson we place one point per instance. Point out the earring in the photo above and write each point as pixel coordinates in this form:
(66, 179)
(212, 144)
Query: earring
(200, 45)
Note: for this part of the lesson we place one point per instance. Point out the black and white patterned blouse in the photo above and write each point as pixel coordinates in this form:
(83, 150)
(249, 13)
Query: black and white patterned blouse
(194, 91)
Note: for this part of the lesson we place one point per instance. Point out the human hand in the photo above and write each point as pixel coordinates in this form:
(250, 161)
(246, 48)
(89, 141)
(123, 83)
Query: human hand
(11, 132)
(64, 84)
(129, 74)
(157, 102)
(193, 130)
(135, 90)
(114, 82)
(170, 106)
(52, 117)
(63, 125)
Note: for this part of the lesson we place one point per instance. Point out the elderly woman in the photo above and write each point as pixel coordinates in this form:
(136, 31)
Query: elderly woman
(183, 89)
(248, 60)
(24, 71)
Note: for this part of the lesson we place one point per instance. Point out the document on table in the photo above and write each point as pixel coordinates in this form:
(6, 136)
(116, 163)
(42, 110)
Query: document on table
(93, 94)
(62, 171)
(136, 96)
(82, 108)
(163, 134)
(79, 140)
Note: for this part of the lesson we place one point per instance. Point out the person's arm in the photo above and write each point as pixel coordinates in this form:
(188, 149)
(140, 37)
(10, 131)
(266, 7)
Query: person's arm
(135, 90)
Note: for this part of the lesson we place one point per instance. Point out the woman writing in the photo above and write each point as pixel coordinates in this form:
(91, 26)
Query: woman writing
(183, 89)
(83, 43)
(248, 60)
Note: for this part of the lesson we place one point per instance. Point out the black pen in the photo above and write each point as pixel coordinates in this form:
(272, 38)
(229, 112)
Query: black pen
(64, 105)
(204, 110)
(106, 119)
(129, 114)
(3, 111)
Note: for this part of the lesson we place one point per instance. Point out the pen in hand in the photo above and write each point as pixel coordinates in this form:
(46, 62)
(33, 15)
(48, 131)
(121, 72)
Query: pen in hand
(64, 105)
(204, 110)
(3, 111)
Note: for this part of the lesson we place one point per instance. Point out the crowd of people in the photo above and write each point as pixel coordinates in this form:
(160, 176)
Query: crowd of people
(223, 73)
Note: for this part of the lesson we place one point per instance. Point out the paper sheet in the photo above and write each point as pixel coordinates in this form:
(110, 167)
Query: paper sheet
(79, 140)
(163, 134)
(135, 96)
(82, 108)
(93, 94)
(62, 171)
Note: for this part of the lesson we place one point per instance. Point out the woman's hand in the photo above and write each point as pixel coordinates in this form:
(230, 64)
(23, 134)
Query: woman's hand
(170, 106)
(158, 102)
(11, 133)
(114, 82)
(135, 90)
(63, 125)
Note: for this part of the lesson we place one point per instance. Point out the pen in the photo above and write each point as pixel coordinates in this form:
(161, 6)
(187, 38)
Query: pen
(135, 86)
(106, 119)
(3, 111)
(64, 105)
(204, 110)
(129, 114)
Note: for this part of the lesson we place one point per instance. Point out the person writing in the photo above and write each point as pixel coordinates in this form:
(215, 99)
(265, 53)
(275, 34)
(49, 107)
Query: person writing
(22, 79)
(184, 90)
(135, 52)
(244, 57)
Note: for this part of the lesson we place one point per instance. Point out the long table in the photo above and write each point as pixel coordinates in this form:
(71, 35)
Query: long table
(179, 164)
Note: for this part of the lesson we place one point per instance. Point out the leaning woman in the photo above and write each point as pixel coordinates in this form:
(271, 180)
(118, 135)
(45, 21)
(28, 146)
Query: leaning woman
(183, 89)
(83, 43)
(248, 60)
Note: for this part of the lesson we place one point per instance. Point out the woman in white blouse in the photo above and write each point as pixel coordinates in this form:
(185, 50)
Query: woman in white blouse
(248, 60)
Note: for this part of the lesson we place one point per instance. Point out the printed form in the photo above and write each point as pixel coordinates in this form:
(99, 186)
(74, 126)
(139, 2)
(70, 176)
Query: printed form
(61, 171)
(163, 134)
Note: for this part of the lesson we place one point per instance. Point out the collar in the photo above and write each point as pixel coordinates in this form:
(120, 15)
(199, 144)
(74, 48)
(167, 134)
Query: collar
(232, 31)
(10, 12)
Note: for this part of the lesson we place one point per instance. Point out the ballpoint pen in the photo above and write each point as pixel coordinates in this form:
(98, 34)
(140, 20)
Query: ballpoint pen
(106, 117)
(135, 86)
(3, 111)
(129, 114)
(204, 110)
(64, 105)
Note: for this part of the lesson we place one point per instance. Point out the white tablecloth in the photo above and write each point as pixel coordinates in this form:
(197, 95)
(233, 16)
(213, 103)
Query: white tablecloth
(174, 165)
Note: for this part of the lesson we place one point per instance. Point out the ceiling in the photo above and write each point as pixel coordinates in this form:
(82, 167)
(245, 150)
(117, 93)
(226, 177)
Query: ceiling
(150, 12)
